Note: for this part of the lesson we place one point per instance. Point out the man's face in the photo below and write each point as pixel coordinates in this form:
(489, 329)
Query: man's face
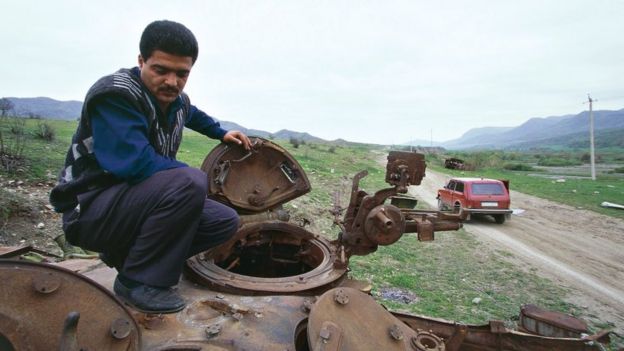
(165, 75)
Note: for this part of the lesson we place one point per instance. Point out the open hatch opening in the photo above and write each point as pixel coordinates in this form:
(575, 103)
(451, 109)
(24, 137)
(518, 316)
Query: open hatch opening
(271, 254)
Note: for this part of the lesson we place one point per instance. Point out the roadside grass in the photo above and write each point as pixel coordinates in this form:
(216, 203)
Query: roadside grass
(455, 279)
(446, 275)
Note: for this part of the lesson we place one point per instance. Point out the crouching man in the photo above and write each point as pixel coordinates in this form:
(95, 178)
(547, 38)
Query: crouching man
(123, 193)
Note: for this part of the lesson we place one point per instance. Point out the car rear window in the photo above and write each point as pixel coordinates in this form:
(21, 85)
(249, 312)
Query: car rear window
(487, 189)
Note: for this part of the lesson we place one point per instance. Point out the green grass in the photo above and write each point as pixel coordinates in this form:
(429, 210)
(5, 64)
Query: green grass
(42, 159)
(446, 274)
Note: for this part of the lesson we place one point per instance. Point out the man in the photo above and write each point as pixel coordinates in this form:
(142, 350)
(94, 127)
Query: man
(122, 191)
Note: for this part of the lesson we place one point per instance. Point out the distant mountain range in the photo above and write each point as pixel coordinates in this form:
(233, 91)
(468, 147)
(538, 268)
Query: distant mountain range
(546, 132)
(44, 107)
(283, 134)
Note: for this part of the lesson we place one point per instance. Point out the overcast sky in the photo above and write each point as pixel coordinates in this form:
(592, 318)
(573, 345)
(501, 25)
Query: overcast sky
(369, 71)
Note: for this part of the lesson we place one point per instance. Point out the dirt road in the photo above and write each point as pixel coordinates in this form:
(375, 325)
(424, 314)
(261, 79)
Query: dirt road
(578, 249)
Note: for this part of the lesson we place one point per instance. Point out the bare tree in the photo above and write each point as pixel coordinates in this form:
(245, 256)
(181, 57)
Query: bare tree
(6, 105)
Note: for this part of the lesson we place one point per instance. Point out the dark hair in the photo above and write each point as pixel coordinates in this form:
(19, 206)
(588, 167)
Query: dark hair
(170, 37)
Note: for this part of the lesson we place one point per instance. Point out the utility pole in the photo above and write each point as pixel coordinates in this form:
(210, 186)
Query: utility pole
(591, 138)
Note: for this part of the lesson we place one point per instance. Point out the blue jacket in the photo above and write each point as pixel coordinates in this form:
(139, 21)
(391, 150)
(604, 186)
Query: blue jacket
(123, 136)
(121, 142)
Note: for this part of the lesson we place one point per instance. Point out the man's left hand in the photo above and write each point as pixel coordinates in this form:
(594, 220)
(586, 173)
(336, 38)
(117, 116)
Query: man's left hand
(234, 136)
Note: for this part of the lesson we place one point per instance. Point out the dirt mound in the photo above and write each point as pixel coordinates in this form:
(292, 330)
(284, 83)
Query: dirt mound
(27, 217)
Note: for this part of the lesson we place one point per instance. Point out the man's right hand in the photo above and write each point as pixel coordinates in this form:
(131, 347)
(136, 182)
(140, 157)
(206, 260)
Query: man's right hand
(234, 136)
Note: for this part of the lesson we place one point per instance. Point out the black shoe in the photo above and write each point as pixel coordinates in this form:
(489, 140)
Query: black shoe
(149, 299)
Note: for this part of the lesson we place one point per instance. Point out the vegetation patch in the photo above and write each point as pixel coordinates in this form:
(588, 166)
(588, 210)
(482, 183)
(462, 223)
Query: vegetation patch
(518, 167)
(454, 278)
(558, 162)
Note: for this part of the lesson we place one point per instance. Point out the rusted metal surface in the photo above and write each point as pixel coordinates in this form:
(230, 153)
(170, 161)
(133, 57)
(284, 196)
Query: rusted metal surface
(256, 180)
(364, 324)
(49, 308)
(222, 321)
(17, 251)
(369, 222)
(538, 321)
(404, 201)
(13, 251)
(493, 336)
(273, 286)
(270, 257)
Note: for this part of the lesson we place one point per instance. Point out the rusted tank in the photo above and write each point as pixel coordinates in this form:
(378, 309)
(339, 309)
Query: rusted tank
(274, 286)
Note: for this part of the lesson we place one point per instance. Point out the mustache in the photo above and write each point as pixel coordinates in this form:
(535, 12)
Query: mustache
(169, 89)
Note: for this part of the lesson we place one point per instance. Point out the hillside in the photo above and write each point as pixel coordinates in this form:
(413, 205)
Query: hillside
(604, 138)
(545, 132)
(553, 131)
(45, 107)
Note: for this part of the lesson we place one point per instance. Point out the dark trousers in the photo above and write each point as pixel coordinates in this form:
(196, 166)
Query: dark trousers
(151, 228)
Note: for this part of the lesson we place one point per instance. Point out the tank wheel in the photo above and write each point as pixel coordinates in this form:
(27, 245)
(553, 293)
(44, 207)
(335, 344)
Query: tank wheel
(500, 218)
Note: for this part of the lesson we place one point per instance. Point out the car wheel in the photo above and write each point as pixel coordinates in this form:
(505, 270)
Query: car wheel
(500, 219)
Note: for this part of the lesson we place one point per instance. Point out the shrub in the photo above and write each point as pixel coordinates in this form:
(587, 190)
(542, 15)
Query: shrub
(45, 131)
(618, 170)
(482, 159)
(12, 144)
(17, 126)
(557, 162)
(586, 158)
(295, 142)
(518, 167)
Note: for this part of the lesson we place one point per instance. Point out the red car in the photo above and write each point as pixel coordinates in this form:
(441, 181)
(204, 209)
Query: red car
(470, 196)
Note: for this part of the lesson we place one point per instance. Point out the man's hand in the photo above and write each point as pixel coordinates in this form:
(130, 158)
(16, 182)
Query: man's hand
(234, 136)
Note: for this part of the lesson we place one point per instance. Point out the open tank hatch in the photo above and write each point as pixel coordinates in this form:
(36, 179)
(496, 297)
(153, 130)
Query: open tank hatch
(272, 254)
(269, 258)
(265, 256)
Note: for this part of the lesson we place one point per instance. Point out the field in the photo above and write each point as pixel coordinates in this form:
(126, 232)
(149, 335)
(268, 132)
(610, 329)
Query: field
(452, 277)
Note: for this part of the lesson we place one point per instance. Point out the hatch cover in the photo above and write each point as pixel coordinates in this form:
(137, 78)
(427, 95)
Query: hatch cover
(256, 180)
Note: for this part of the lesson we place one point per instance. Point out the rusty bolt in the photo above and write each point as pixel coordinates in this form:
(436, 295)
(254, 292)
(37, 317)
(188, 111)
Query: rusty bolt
(307, 304)
(46, 283)
(396, 333)
(325, 335)
(341, 297)
(121, 328)
(213, 330)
